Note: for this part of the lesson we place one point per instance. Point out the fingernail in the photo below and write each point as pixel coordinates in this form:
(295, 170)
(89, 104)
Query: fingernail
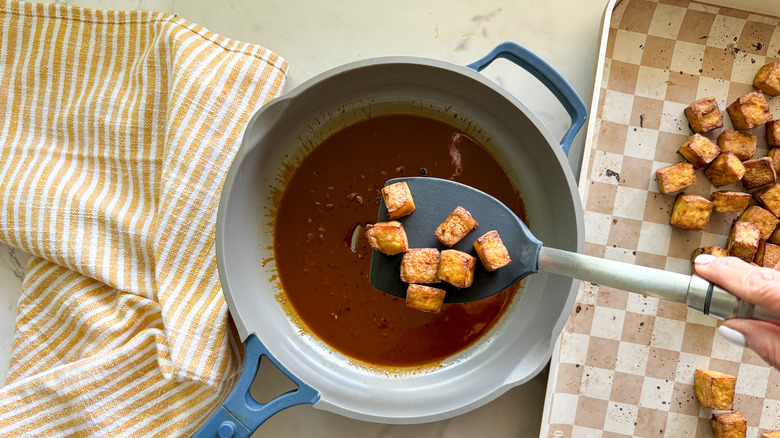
(703, 259)
(732, 335)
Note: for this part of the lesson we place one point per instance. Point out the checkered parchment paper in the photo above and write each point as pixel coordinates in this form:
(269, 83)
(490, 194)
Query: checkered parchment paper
(624, 364)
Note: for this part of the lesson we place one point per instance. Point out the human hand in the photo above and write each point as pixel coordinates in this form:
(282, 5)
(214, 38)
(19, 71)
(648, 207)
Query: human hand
(757, 285)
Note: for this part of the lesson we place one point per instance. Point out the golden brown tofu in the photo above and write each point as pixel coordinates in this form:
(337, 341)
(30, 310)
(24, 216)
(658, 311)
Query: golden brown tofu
(691, 212)
(768, 79)
(420, 265)
(774, 237)
(699, 150)
(724, 170)
(743, 241)
(398, 200)
(387, 237)
(769, 198)
(425, 298)
(774, 154)
(728, 425)
(704, 115)
(714, 250)
(675, 177)
(491, 251)
(727, 201)
(715, 390)
(773, 133)
(763, 219)
(749, 110)
(457, 268)
(455, 227)
(771, 434)
(741, 144)
(768, 255)
(758, 173)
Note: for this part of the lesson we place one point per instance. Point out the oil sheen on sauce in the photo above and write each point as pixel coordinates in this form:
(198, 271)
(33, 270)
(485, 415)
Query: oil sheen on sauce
(323, 269)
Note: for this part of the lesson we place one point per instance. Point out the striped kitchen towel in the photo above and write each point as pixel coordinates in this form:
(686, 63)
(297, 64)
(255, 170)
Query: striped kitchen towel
(116, 132)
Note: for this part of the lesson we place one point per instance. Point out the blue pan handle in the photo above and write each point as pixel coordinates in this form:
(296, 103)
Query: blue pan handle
(548, 76)
(240, 415)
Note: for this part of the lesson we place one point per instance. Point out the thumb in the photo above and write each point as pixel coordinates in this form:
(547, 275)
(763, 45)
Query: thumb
(757, 285)
(760, 336)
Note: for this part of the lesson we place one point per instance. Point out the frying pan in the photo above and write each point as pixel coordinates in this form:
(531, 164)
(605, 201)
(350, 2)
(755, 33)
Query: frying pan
(281, 133)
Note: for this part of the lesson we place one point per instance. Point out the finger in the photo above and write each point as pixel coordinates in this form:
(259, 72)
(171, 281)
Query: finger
(761, 337)
(757, 285)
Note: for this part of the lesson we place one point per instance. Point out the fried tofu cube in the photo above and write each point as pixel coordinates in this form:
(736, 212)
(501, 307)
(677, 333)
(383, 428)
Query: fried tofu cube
(773, 133)
(691, 212)
(714, 250)
(774, 154)
(387, 237)
(741, 144)
(425, 298)
(749, 110)
(699, 150)
(455, 227)
(729, 425)
(774, 237)
(675, 177)
(727, 201)
(491, 251)
(768, 255)
(758, 173)
(763, 219)
(743, 241)
(398, 200)
(704, 115)
(420, 265)
(768, 79)
(714, 390)
(724, 170)
(457, 268)
(769, 198)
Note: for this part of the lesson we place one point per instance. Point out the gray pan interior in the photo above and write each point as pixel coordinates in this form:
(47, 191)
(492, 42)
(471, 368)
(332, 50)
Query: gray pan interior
(283, 131)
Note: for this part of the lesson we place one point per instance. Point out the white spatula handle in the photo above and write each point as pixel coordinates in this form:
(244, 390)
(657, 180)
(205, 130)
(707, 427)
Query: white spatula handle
(696, 292)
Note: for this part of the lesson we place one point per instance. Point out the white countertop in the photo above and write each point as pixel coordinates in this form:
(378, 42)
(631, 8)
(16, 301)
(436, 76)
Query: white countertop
(317, 35)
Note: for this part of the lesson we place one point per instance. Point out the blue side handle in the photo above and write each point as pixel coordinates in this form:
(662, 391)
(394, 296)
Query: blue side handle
(548, 76)
(240, 415)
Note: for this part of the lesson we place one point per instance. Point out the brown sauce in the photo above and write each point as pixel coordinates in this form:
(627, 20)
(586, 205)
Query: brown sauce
(333, 192)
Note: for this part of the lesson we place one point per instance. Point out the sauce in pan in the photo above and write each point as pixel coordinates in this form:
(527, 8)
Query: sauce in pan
(323, 258)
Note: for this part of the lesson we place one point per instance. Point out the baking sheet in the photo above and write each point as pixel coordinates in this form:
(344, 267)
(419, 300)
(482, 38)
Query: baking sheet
(624, 364)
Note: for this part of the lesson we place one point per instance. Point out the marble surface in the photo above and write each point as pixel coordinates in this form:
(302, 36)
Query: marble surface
(315, 36)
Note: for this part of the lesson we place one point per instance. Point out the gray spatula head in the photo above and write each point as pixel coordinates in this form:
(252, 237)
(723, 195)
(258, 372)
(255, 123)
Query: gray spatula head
(435, 199)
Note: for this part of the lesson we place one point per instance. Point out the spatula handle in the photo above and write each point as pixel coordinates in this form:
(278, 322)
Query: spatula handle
(715, 301)
(696, 292)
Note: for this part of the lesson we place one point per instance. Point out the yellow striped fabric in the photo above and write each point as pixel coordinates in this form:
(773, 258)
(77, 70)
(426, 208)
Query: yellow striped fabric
(116, 132)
